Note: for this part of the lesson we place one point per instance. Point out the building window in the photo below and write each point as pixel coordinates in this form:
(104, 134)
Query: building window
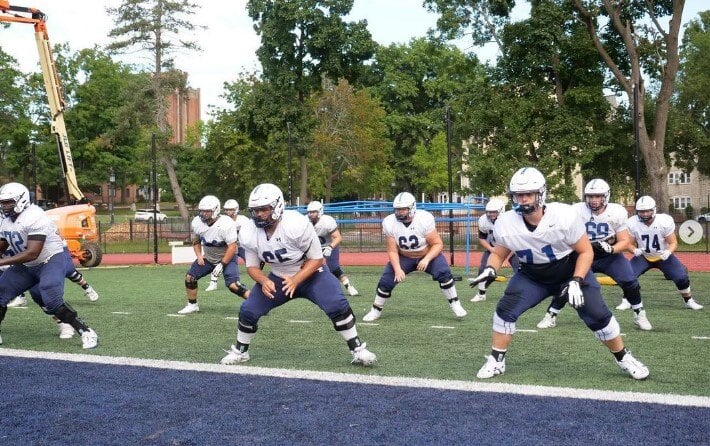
(680, 202)
(678, 178)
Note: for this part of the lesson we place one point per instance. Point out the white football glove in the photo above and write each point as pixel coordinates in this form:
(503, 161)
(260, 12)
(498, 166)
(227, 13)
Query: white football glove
(488, 273)
(218, 268)
(665, 254)
(638, 252)
(574, 292)
(327, 250)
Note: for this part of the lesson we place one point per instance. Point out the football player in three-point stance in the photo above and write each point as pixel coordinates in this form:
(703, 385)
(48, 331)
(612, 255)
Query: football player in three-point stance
(654, 236)
(606, 228)
(30, 244)
(555, 258)
(217, 236)
(413, 244)
(287, 241)
(329, 235)
(231, 210)
(494, 208)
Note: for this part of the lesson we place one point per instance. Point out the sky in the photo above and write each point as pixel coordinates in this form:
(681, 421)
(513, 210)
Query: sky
(229, 42)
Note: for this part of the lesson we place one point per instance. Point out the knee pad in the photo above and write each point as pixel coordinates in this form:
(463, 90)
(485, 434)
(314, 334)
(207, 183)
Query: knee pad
(245, 326)
(344, 320)
(75, 277)
(65, 313)
(3, 310)
(611, 331)
(337, 272)
(241, 290)
(190, 282)
(383, 294)
(632, 290)
(445, 279)
(501, 326)
(683, 284)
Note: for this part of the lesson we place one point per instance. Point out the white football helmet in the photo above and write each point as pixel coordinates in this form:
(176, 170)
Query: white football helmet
(209, 203)
(266, 194)
(646, 203)
(231, 205)
(405, 200)
(597, 186)
(315, 211)
(16, 193)
(495, 205)
(531, 180)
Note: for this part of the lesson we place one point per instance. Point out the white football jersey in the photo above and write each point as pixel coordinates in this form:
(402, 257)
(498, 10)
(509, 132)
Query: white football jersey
(652, 239)
(292, 243)
(241, 221)
(31, 221)
(214, 238)
(324, 227)
(412, 237)
(485, 225)
(604, 225)
(559, 229)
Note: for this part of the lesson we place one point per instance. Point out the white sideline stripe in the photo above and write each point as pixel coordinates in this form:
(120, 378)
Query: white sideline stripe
(175, 315)
(294, 321)
(108, 267)
(443, 327)
(421, 383)
(371, 324)
(701, 337)
(23, 307)
(120, 312)
(526, 331)
(232, 318)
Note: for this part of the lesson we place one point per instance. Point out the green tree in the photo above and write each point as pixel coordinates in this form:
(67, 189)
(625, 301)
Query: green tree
(157, 27)
(302, 41)
(350, 146)
(15, 123)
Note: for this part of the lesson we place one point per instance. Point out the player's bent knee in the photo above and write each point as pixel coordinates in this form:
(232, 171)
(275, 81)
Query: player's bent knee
(65, 313)
(190, 282)
(501, 326)
(337, 272)
(609, 332)
(246, 326)
(383, 293)
(683, 285)
(344, 320)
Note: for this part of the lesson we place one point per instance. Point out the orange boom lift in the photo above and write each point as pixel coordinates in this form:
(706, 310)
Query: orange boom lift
(77, 222)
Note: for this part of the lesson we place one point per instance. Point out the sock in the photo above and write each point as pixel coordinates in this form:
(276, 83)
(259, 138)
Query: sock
(620, 354)
(498, 354)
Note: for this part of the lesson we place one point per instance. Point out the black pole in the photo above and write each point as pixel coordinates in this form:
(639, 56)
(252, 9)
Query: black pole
(290, 172)
(451, 184)
(34, 173)
(154, 174)
(636, 141)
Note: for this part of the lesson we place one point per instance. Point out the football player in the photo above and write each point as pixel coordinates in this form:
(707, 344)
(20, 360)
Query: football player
(330, 238)
(606, 228)
(555, 258)
(413, 244)
(216, 235)
(655, 240)
(494, 208)
(231, 210)
(30, 244)
(286, 240)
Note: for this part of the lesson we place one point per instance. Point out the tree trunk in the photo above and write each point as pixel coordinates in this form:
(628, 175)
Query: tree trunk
(303, 196)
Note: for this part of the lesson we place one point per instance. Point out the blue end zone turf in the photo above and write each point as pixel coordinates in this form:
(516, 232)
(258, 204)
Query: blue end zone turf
(57, 402)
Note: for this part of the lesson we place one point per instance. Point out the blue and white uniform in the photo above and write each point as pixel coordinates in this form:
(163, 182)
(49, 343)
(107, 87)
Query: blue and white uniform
(651, 239)
(547, 263)
(324, 227)
(214, 239)
(485, 231)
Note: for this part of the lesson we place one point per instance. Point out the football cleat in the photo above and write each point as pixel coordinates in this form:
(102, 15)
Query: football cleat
(89, 339)
(373, 315)
(352, 290)
(190, 308)
(690, 303)
(633, 367)
(549, 321)
(66, 331)
(491, 368)
(458, 310)
(624, 305)
(361, 355)
(641, 321)
(19, 301)
(212, 286)
(234, 356)
(479, 297)
(91, 294)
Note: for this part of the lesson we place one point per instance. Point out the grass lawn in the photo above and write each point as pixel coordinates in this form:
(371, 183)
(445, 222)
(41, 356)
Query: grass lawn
(416, 336)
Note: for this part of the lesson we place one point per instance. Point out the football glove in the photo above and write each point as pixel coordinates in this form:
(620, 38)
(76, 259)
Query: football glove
(602, 248)
(664, 254)
(489, 273)
(575, 297)
(218, 268)
(638, 252)
(327, 250)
